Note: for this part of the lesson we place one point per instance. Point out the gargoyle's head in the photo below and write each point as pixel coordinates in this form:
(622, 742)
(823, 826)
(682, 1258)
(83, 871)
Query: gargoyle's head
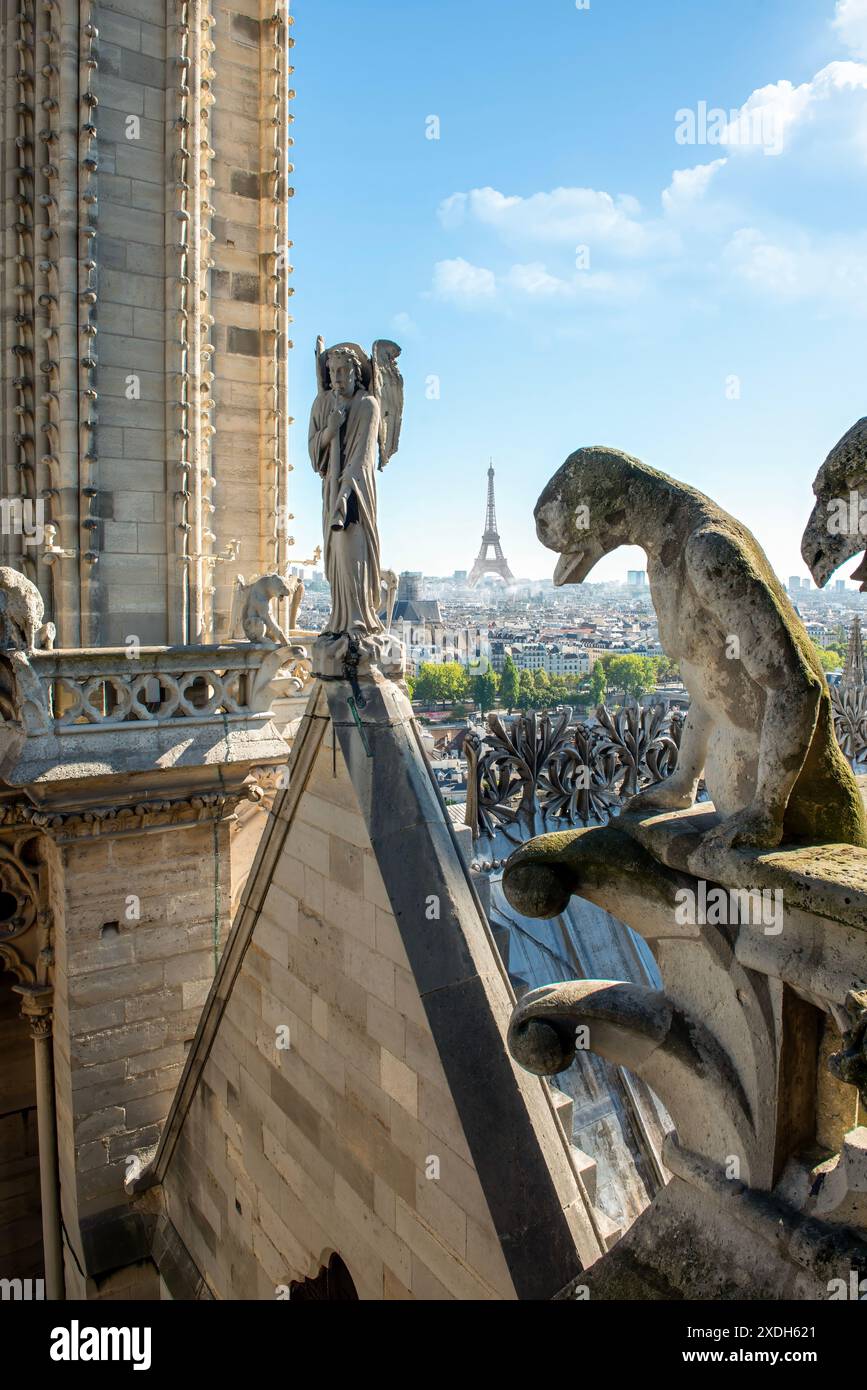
(274, 586)
(584, 512)
(837, 528)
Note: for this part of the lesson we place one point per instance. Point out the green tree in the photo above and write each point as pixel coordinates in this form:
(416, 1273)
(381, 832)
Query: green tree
(444, 683)
(598, 685)
(632, 674)
(831, 660)
(427, 683)
(484, 688)
(527, 696)
(509, 684)
(666, 669)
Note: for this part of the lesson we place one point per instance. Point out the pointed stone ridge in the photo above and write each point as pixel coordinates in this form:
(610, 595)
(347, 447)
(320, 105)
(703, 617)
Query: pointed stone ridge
(349, 1088)
(497, 563)
(854, 672)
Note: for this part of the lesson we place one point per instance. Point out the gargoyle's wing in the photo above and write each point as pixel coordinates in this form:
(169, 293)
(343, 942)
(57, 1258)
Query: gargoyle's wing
(236, 612)
(388, 389)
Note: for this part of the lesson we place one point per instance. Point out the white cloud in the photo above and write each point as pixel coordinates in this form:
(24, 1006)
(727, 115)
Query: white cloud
(535, 282)
(772, 115)
(689, 186)
(563, 217)
(404, 323)
(850, 21)
(463, 283)
(707, 221)
(830, 271)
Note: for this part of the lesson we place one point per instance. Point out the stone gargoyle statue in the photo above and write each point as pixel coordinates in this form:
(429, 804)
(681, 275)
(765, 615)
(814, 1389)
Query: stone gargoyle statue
(837, 529)
(757, 1040)
(22, 611)
(23, 632)
(760, 724)
(251, 608)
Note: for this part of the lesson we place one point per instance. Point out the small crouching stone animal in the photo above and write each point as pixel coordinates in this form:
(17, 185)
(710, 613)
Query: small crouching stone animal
(21, 613)
(760, 724)
(255, 603)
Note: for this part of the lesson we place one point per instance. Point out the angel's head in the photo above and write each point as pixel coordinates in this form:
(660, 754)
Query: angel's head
(344, 370)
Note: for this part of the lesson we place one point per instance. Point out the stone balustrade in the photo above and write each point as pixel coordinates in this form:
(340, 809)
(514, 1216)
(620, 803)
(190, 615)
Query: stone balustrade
(149, 686)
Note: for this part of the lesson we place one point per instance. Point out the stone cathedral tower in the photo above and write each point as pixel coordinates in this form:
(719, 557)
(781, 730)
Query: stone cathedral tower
(146, 281)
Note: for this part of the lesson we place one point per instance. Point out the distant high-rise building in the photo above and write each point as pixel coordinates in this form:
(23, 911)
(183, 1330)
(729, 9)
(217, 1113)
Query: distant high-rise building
(794, 584)
(636, 579)
(497, 564)
(840, 585)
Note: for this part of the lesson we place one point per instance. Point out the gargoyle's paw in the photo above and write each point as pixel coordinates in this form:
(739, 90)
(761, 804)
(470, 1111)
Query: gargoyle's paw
(539, 1048)
(537, 889)
(659, 798)
(746, 830)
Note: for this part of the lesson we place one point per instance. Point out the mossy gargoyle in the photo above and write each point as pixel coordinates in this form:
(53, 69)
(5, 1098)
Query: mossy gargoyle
(760, 725)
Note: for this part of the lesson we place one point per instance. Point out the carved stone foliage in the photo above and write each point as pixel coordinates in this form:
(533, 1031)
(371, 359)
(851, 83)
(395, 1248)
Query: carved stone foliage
(850, 721)
(533, 771)
(25, 919)
(107, 820)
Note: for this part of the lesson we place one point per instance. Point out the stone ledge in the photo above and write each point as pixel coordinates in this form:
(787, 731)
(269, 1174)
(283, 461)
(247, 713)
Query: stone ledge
(826, 880)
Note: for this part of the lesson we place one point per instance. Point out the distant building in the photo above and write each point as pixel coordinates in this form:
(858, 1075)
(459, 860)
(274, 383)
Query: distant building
(636, 579)
(794, 584)
(540, 656)
(840, 585)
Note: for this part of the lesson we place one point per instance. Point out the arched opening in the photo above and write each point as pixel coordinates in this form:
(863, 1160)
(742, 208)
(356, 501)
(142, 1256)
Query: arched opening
(21, 1254)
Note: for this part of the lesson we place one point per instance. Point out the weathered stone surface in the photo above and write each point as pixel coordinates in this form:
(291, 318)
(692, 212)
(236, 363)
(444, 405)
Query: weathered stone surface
(760, 725)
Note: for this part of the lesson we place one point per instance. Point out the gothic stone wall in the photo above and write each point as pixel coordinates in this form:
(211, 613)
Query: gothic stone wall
(128, 998)
(348, 1140)
(20, 1203)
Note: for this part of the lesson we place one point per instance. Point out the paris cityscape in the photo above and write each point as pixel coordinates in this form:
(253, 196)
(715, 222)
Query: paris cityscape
(433, 845)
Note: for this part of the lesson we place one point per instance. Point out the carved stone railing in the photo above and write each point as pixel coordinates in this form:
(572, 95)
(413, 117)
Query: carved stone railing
(535, 772)
(80, 690)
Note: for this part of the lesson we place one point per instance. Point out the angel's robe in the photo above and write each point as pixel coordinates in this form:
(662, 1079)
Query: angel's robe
(351, 555)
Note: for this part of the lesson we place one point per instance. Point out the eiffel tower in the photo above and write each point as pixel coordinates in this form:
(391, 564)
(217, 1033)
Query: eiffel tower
(498, 564)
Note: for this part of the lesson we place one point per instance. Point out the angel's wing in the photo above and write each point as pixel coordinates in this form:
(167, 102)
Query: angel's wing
(320, 365)
(237, 609)
(388, 389)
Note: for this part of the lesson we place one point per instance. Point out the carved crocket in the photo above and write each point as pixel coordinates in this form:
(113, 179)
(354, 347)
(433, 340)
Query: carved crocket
(760, 724)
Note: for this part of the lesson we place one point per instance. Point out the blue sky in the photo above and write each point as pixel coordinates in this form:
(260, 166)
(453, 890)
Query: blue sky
(543, 262)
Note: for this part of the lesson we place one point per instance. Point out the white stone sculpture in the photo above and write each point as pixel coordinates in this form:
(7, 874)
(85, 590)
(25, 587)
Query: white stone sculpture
(251, 608)
(354, 431)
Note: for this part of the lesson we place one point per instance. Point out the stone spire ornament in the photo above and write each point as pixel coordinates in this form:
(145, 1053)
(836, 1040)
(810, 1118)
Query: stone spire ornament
(354, 430)
(854, 670)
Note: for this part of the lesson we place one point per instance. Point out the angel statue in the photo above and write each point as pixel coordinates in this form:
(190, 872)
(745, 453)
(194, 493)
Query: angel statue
(354, 431)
